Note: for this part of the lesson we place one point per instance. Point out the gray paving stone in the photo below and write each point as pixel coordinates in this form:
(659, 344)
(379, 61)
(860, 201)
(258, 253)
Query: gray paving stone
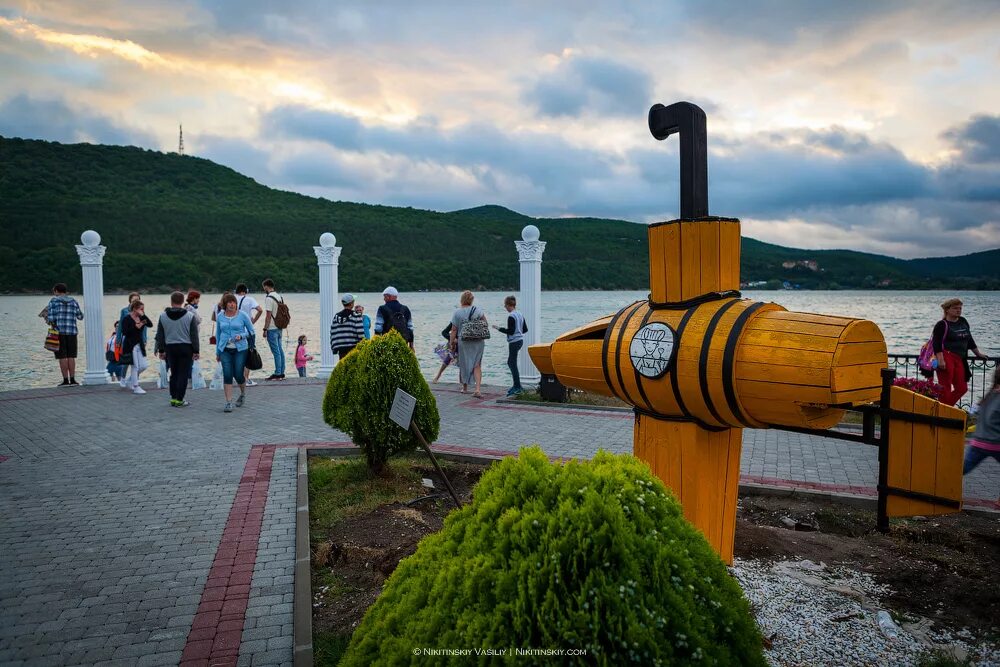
(101, 531)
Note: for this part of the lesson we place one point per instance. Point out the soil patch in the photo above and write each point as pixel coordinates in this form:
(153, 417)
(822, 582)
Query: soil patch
(942, 568)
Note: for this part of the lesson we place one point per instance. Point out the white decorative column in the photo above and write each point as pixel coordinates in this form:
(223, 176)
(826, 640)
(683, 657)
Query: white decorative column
(92, 260)
(328, 258)
(529, 252)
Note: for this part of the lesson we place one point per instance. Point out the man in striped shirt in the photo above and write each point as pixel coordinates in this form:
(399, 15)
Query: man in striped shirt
(347, 328)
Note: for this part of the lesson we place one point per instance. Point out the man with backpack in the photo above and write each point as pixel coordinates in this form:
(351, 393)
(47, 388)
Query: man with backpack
(276, 320)
(247, 304)
(347, 328)
(394, 315)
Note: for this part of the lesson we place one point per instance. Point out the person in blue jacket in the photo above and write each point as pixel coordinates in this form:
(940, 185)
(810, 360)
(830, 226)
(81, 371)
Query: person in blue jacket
(233, 331)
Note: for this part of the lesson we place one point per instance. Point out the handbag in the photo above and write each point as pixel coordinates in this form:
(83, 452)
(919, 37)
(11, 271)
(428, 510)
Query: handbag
(52, 340)
(197, 379)
(254, 362)
(474, 329)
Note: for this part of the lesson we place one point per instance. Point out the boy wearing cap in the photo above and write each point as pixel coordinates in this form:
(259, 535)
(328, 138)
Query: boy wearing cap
(384, 320)
(347, 328)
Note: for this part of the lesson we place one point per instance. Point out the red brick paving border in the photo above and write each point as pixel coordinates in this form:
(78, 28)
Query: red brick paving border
(217, 629)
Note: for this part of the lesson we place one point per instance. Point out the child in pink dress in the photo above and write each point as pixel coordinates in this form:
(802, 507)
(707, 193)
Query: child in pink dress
(301, 357)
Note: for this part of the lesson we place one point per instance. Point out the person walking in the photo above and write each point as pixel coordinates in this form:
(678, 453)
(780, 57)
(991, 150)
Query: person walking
(952, 340)
(367, 321)
(114, 368)
(394, 315)
(62, 314)
(985, 440)
(177, 343)
(234, 330)
(515, 330)
(120, 337)
(470, 350)
(302, 356)
(346, 329)
(444, 353)
(191, 304)
(134, 343)
(248, 305)
(275, 319)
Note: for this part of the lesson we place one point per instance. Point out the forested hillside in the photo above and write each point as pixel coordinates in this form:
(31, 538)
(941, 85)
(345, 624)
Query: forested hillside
(176, 221)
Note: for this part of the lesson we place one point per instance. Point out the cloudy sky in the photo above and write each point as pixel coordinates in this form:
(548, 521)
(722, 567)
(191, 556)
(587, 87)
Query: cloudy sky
(854, 124)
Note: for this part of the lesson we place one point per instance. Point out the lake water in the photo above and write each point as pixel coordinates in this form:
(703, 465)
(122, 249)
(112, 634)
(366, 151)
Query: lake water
(905, 318)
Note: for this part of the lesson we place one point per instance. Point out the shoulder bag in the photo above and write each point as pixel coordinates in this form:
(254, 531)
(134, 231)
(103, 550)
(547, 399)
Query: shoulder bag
(474, 329)
(52, 340)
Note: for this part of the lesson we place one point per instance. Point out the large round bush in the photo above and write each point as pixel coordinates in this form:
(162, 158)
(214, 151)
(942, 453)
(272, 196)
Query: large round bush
(360, 392)
(594, 555)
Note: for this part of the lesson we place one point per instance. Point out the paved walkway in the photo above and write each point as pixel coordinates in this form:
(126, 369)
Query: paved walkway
(136, 534)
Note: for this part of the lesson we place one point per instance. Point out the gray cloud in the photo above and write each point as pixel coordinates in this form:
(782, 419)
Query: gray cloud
(54, 120)
(546, 160)
(589, 84)
(978, 140)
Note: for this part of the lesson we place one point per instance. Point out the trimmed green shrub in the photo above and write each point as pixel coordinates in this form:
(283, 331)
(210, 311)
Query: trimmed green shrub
(593, 555)
(359, 395)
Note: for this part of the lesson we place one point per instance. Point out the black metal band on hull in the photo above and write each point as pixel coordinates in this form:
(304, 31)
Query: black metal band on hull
(607, 344)
(706, 345)
(729, 363)
(673, 375)
(638, 375)
(618, 354)
(708, 297)
(639, 412)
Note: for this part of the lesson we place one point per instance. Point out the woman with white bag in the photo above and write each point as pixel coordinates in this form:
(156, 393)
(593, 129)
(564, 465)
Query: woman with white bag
(132, 327)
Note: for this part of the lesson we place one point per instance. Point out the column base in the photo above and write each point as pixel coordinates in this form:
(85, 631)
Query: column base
(324, 372)
(95, 377)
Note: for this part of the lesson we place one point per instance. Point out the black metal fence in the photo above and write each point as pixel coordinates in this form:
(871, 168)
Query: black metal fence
(905, 365)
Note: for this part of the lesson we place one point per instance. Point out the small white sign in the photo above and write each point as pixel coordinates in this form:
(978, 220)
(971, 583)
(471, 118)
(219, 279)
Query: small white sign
(402, 408)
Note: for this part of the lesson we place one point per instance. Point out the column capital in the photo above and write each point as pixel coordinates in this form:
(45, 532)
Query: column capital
(91, 255)
(327, 254)
(530, 251)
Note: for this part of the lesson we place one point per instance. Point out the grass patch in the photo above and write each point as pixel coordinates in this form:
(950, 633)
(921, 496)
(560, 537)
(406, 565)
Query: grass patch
(576, 397)
(343, 487)
(329, 647)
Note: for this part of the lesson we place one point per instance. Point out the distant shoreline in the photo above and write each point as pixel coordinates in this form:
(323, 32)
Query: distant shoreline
(159, 290)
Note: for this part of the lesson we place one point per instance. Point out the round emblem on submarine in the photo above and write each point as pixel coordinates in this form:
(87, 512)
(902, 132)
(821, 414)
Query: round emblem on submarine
(652, 349)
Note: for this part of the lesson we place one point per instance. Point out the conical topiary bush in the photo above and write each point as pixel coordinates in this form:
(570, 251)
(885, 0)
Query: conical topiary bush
(360, 392)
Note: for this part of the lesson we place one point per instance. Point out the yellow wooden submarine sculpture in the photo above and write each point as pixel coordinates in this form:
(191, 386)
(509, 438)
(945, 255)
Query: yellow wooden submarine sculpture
(699, 363)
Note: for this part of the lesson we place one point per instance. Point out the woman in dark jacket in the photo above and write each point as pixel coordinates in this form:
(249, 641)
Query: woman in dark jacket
(133, 327)
(952, 340)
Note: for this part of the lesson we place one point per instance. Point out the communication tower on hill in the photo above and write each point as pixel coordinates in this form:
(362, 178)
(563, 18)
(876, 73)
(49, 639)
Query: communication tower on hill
(180, 140)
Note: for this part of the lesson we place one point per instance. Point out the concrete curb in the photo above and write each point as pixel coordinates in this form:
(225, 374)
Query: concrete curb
(561, 406)
(302, 654)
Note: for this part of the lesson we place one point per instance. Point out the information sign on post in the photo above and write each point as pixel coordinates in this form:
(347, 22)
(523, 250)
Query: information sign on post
(401, 412)
(402, 408)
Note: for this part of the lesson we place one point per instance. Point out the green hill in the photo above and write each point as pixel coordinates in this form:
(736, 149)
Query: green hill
(177, 221)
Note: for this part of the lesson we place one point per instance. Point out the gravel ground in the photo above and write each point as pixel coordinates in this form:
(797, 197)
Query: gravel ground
(814, 615)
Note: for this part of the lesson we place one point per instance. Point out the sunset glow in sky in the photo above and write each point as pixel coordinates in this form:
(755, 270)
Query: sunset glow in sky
(872, 126)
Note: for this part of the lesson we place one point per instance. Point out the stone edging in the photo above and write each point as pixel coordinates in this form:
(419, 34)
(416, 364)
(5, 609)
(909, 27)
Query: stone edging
(302, 650)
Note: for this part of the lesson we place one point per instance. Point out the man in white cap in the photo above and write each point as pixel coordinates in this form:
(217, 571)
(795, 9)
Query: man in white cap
(347, 328)
(394, 315)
